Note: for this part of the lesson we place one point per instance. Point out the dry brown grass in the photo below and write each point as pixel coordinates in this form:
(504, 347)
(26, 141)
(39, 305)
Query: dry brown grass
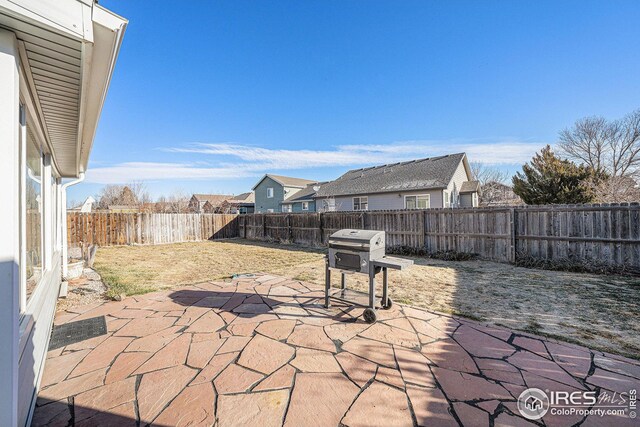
(597, 311)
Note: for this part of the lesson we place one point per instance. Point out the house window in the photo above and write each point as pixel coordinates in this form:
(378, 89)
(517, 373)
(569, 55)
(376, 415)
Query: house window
(269, 210)
(420, 201)
(361, 203)
(270, 193)
(34, 206)
(446, 199)
(305, 206)
(286, 208)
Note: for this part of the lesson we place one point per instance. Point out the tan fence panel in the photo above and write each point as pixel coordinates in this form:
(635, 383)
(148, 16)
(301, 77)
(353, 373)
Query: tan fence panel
(486, 232)
(305, 228)
(334, 221)
(106, 229)
(402, 228)
(606, 234)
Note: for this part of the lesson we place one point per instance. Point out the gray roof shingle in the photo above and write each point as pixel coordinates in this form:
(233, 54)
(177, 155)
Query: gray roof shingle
(304, 194)
(421, 174)
(470, 187)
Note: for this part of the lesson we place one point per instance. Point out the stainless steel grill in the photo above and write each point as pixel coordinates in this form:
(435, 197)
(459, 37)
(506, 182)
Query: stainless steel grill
(361, 251)
(353, 250)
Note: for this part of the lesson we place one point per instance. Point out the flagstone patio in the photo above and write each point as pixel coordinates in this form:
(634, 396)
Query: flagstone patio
(263, 351)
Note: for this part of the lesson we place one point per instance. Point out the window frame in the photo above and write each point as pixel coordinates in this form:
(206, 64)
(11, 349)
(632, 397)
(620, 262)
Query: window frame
(446, 199)
(360, 203)
(269, 192)
(305, 206)
(428, 196)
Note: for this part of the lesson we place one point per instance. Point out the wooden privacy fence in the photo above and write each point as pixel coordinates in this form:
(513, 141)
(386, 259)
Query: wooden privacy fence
(597, 234)
(105, 229)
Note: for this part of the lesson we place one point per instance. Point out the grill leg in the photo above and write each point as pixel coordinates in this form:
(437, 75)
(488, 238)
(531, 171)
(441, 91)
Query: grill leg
(385, 287)
(372, 288)
(343, 283)
(327, 284)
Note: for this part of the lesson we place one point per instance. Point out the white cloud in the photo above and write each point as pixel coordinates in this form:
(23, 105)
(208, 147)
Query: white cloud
(150, 171)
(257, 158)
(241, 161)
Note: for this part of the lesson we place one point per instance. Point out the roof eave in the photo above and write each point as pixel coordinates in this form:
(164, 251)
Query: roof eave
(99, 59)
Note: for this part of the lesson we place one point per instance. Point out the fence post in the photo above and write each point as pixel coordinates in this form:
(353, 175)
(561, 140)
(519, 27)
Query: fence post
(366, 221)
(289, 229)
(264, 226)
(321, 221)
(514, 231)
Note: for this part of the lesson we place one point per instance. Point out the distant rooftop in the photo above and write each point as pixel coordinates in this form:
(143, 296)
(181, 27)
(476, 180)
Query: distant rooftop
(420, 174)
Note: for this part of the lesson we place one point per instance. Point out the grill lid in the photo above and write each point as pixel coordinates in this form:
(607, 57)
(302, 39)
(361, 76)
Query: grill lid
(363, 238)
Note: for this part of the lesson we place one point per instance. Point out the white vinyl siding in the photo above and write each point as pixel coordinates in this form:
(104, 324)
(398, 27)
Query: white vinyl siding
(459, 176)
(446, 199)
(418, 201)
(361, 203)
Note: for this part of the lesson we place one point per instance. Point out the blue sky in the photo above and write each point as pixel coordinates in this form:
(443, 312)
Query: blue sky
(207, 96)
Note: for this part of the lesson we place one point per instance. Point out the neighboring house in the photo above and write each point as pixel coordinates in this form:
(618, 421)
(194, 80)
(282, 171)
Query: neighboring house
(418, 184)
(303, 200)
(498, 194)
(56, 61)
(469, 194)
(85, 207)
(272, 190)
(198, 201)
(241, 204)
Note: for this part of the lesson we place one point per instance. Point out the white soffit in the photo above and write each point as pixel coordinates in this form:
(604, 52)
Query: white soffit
(70, 47)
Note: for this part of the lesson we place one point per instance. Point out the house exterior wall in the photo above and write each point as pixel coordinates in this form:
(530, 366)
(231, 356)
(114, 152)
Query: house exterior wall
(466, 200)
(384, 201)
(264, 203)
(10, 227)
(297, 207)
(26, 315)
(453, 189)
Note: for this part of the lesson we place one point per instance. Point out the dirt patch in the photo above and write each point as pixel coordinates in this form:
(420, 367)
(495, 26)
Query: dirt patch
(596, 311)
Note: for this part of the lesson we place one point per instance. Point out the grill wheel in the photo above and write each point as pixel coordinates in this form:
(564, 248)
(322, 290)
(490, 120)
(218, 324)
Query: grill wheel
(369, 315)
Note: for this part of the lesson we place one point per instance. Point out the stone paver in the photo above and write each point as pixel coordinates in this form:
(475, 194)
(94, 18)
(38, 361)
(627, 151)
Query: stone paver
(236, 379)
(125, 365)
(159, 388)
(311, 337)
(263, 351)
(282, 378)
(277, 329)
(430, 407)
(265, 355)
(104, 398)
(379, 405)
(194, 406)
(359, 370)
(320, 400)
(264, 409)
(308, 360)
